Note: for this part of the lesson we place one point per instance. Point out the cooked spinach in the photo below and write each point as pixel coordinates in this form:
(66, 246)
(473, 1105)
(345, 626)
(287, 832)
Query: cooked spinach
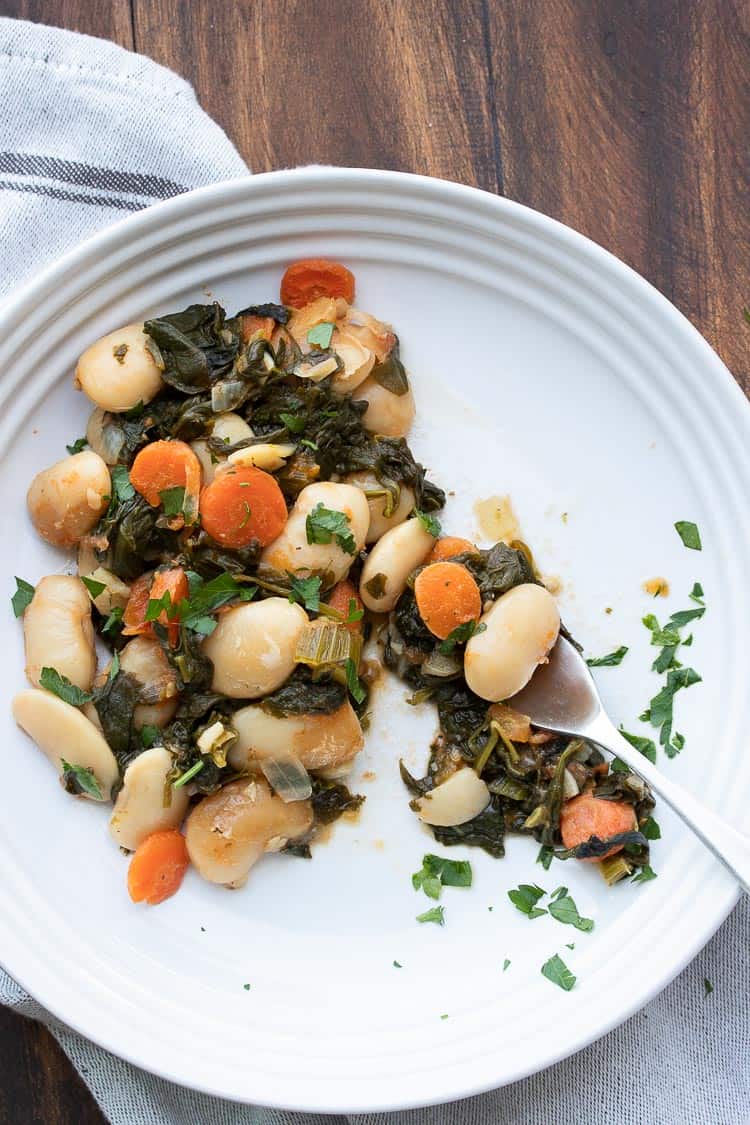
(303, 694)
(195, 347)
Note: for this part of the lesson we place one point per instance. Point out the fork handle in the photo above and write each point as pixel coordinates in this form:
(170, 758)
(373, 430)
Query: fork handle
(726, 843)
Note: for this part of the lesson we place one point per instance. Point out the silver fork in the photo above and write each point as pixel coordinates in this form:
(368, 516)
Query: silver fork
(562, 697)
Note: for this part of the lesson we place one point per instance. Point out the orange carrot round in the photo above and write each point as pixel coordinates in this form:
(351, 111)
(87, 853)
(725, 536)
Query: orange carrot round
(162, 465)
(311, 278)
(158, 867)
(586, 816)
(151, 587)
(447, 596)
(241, 505)
(450, 546)
(340, 599)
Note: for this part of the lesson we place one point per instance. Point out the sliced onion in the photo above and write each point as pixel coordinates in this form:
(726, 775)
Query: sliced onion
(287, 777)
(570, 786)
(105, 436)
(438, 664)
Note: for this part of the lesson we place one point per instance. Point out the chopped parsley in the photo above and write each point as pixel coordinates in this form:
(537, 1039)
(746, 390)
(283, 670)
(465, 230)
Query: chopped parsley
(611, 660)
(436, 914)
(246, 987)
(293, 423)
(651, 829)
(114, 667)
(78, 446)
(430, 523)
(123, 489)
(113, 624)
(306, 591)
(460, 635)
(188, 775)
(356, 613)
(321, 334)
(323, 525)
(51, 680)
(22, 597)
(645, 875)
(660, 710)
(564, 910)
(94, 587)
(689, 534)
(308, 444)
(206, 597)
(173, 501)
(353, 683)
(397, 965)
(157, 606)
(558, 972)
(506, 964)
(80, 779)
(150, 735)
(525, 898)
(545, 857)
(437, 872)
(645, 746)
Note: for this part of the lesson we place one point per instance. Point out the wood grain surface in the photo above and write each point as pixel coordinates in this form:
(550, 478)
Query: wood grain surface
(627, 119)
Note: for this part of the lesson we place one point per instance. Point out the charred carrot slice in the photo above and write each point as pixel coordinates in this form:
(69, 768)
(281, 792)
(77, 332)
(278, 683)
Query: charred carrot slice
(450, 546)
(162, 465)
(341, 597)
(311, 278)
(586, 816)
(158, 867)
(447, 596)
(153, 587)
(241, 505)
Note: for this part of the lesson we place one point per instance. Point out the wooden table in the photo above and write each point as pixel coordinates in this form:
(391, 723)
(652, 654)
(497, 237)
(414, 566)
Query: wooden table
(627, 119)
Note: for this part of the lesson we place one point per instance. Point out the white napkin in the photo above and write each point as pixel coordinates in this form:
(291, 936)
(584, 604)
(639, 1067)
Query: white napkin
(88, 133)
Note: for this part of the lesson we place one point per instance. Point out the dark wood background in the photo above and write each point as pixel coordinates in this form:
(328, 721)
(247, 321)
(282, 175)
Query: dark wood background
(627, 119)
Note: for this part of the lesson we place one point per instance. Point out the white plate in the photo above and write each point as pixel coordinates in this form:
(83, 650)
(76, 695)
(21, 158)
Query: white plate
(543, 368)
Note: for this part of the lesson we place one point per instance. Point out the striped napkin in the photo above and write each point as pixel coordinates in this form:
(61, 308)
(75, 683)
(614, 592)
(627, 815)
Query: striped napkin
(90, 133)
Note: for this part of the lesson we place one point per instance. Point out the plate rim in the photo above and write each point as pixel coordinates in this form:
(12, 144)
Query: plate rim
(357, 179)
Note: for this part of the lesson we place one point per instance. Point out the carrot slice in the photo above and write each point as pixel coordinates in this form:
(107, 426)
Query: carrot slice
(158, 867)
(340, 599)
(152, 587)
(450, 546)
(447, 596)
(586, 816)
(257, 327)
(162, 465)
(241, 505)
(310, 278)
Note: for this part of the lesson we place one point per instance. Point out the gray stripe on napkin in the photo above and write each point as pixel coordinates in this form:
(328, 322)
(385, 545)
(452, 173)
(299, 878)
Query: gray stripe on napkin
(88, 175)
(72, 196)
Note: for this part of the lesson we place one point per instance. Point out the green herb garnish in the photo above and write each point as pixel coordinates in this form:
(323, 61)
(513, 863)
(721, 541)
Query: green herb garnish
(94, 587)
(661, 707)
(173, 501)
(644, 875)
(689, 534)
(525, 897)
(78, 446)
(323, 525)
(80, 779)
(51, 680)
(397, 965)
(436, 914)
(123, 489)
(506, 964)
(157, 606)
(355, 613)
(22, 597)
(321, 334)
(564, 910)
(150, 735)
(545, 856)
(651, 829)
(460, 635)
(353, 683)
(437, 872)
(113, 624)
(293, 423)
(643, 745)
(188, 775)
(611, 660)
(430, 523)
(206, 597)
(306, 591)
(558, 972)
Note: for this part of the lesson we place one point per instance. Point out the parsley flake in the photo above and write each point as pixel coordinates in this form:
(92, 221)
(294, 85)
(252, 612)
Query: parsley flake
(94, 587)
(506, 964)
(306, 591)
(293, 423)
(80, 779)
(643, 745)
(150, 735)
(545, 856)
(460, 635)
(689, 534)
(354, 685)
(323, 525)
(558, 972)
(645, 875)
(430, 523)
(564, 910)
(173, 502)
(438, 872)
(611, 660)
(525, 897)
(436, 914)
(397, 965)
(123, 489)
(77, 446)
(22, 597)
(51, 680)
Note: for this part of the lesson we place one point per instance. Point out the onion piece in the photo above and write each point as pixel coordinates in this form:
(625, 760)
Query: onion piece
(105, 436)
(287, 777)
(438, 664)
